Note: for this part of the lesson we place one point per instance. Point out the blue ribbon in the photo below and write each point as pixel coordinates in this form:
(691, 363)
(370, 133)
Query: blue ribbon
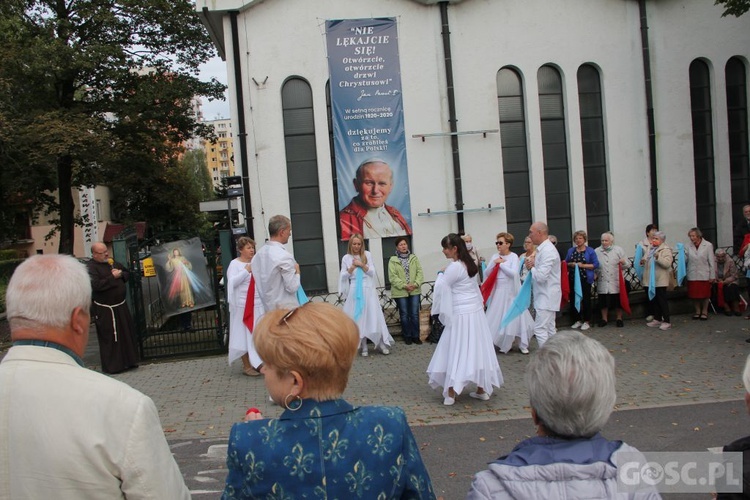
(652, 279)
(520, 304)
(577, 288)
(520, 268)
(302, 296)
(637, 266)
(484, 268)
(359, 296)
(681, 268)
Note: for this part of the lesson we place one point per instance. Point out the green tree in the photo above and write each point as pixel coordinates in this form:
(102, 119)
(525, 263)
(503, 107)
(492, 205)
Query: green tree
(95, 92)
(734, 7)
(195, 162)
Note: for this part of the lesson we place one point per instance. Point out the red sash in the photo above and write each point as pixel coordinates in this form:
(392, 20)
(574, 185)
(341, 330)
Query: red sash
(564, 284)
(248, 315)
(489, 283)
(624, 300)
(745, 242)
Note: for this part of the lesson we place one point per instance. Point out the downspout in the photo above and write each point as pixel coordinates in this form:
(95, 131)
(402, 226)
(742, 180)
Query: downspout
(649, 112)
(452, 115)
(242, 136)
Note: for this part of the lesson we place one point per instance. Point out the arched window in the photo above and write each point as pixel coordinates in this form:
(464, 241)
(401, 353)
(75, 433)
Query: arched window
(739, 167)
(555, 151)
(302, 174)
(510, 105)
(594, 157)
(703, 149)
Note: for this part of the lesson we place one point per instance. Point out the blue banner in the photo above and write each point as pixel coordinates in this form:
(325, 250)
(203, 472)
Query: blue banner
(368, 128)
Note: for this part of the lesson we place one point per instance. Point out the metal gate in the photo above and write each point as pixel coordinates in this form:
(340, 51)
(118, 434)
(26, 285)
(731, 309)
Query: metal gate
(197, 332)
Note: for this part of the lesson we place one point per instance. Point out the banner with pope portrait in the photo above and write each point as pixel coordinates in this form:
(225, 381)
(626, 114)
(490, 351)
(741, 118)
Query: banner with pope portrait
(368, 128)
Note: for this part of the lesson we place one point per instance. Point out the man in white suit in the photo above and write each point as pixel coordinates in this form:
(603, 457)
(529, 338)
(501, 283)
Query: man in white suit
(545, 271)
(67, 432)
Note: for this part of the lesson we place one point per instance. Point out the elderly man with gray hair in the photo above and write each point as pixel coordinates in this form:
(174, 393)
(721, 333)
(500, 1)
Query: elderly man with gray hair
(727, 289)
(571, 384)
(67, 432)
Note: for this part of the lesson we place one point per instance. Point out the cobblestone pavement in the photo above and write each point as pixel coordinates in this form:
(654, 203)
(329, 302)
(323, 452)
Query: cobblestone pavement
(695, 361)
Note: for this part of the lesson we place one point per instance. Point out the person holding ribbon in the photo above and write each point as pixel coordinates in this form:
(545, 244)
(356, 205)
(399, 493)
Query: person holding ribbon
(657, 268)
(612, 260)
(701, 272)
(357, 283)
(581, 258)
(641, 249)
(276, 273)
(114, 324)
(502, 285)
(245, 308)
(465, 354)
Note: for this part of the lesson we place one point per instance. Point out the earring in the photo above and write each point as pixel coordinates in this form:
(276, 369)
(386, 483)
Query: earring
(293, 405)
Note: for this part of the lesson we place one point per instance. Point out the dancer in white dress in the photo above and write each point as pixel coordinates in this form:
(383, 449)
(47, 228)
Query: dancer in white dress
(237, 279)
(465, 353)
(357, 282)
(507, 285)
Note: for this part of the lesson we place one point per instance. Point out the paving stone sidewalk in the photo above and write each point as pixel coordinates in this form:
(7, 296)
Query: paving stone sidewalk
(696, 361)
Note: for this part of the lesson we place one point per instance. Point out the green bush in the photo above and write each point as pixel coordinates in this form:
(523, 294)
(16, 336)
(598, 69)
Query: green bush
(7, 267)
(8, 254)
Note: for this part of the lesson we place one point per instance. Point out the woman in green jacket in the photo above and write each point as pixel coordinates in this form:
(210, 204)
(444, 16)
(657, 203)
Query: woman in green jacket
(406, 276)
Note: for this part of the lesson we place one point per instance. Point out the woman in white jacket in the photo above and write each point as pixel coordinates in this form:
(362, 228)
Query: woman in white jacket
(357, 283)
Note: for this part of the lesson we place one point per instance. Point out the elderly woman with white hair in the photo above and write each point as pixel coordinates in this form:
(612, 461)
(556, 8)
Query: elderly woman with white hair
(727, 283)
(571, 384)
(611, 257)
(657, 274)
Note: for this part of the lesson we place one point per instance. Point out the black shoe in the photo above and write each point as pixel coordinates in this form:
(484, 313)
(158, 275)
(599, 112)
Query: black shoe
(747, 340)
(407, 341)
(601, 324)
(417, 341)
(620, 324)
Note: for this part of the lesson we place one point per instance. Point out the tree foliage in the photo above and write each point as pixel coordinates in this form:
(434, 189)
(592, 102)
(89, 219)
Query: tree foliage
(734, 7)
(98, 92)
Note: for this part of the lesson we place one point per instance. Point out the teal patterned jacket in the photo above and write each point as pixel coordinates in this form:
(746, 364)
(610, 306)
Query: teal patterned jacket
(327, 450)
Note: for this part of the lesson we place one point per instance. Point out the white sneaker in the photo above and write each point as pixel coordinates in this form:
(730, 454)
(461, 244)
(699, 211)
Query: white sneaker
(524, 350)
(385, 350)
(665, 326)
(449, 401)
(365, 353)
(585, 327)
(577, 324)
(480, 395)
(654, 324)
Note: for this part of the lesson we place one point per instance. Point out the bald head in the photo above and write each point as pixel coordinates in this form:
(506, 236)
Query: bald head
(538, 232)
(99, 252)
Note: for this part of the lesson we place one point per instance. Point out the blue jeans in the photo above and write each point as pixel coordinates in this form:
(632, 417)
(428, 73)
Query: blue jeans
(408, 309)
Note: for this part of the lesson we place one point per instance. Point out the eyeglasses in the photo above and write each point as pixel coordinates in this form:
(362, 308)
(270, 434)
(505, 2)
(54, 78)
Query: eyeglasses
(499, 243)
(288, 315)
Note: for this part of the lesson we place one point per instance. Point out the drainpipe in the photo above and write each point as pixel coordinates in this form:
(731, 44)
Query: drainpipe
(452, 115)
(649, 112)
(242, 135)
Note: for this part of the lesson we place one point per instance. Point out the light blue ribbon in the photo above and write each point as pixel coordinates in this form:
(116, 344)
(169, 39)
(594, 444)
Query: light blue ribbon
(577, 288)
(520, 268)
(681, 268)
(359, 295)
(637, 266)
(484, 268)
(302, 296)
(652, 279)
(520, 304)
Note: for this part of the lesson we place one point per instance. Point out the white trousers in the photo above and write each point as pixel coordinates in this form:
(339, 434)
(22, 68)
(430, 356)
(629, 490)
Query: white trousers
(544, 325)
